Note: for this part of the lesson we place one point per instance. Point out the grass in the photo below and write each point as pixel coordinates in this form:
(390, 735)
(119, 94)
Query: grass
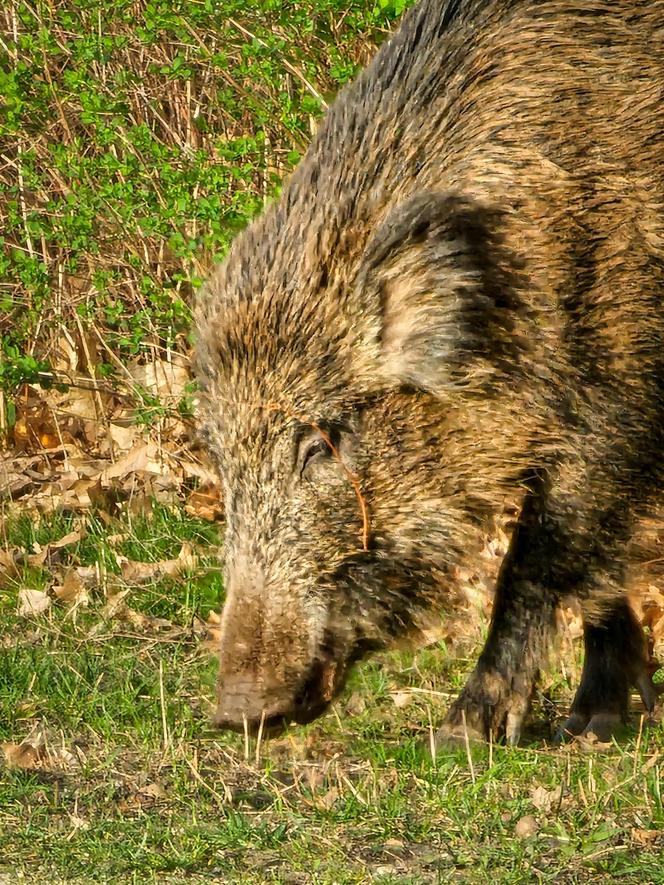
(132, 785)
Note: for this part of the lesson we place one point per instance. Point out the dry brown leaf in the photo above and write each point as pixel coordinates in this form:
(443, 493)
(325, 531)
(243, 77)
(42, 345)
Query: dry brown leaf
(124, 438)
(144, 622)
(32, 602)
(525, 827)
(14, 485)
(38, 558)
(328, 799)
(8, 567)
(117, 608)
(77, 823)
(153, 791)
(163, 378)
(6, 559)
(41, 554)
(650, 763)
(546, 800)
(92, 575)
(70, 538)
(144, 457)
(646, 837)
(211, 632)
(113, 602)
(23, 755)
(142, 572)
(72, 590)
(401, 698)
(117, 538)
(65, 356)
(195, 470)
(205, 503)
(36, 751)
(80, 495)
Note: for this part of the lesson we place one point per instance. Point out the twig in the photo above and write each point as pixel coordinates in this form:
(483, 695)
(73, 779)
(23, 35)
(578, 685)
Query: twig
(259, 738)
(162, 699)
(467, 743)
(245, 725)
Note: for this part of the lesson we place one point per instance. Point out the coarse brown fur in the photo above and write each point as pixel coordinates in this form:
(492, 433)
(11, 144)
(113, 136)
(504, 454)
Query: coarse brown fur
(458, 295)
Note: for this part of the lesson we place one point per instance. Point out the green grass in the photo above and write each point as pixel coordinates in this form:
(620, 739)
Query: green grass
(138, 788)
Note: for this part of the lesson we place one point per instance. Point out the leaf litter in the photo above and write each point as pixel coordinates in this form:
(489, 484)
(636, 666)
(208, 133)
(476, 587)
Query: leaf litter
(41, 751)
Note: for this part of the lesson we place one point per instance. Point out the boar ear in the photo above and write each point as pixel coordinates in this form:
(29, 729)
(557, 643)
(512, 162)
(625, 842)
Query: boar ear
(446, 294)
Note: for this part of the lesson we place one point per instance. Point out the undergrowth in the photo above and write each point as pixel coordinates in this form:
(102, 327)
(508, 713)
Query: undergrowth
(137, 138)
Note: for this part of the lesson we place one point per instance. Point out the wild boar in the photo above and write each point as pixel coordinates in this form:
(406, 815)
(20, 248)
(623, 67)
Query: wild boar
(458, 295)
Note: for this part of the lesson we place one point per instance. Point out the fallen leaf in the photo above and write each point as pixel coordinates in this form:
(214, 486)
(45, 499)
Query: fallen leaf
(72, 590)
(38, 558)
(14, 485)
(77, 823)
(154, 791)
(32, 602)
(205, 503)
(401, 698)
(163, 378)
(210, 632)
(36, 752)
(8, 567)
(117, 538)
(646, 837)
(546, 800)
(142, 572)
(23, 755)
(525, 827)
(328, 799)
(123, 437)
(144, 457)
(113, 601)
(70, 538)
(117, 608)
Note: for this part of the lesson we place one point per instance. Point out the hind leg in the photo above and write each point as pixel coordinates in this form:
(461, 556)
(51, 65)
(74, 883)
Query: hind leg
(615, 660)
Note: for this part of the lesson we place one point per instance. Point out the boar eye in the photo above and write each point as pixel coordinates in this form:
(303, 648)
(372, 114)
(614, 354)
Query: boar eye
(317, 447)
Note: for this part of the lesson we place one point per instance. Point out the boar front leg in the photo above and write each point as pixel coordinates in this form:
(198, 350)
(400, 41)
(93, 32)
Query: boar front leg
(497, 695)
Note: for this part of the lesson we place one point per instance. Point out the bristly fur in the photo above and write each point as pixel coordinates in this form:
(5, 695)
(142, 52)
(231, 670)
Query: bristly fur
(458, 295)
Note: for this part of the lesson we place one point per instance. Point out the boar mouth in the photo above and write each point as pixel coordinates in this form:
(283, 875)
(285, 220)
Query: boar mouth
(323, 683)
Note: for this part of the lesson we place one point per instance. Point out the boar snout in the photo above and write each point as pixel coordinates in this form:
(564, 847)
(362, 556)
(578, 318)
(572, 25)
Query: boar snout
(243, 699)
(245, 702)
(272, 669)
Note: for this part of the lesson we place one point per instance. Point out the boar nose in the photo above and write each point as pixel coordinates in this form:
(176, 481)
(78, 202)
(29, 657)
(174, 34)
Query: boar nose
(241, 699)
(244, 702)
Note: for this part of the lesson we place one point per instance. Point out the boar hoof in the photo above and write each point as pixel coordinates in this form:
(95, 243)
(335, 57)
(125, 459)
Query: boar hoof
(451, 736)
(489, 707)
(602, 725)
(603, 712)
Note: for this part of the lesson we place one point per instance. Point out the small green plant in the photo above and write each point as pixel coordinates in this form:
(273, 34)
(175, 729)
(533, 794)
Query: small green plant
(17, 367)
